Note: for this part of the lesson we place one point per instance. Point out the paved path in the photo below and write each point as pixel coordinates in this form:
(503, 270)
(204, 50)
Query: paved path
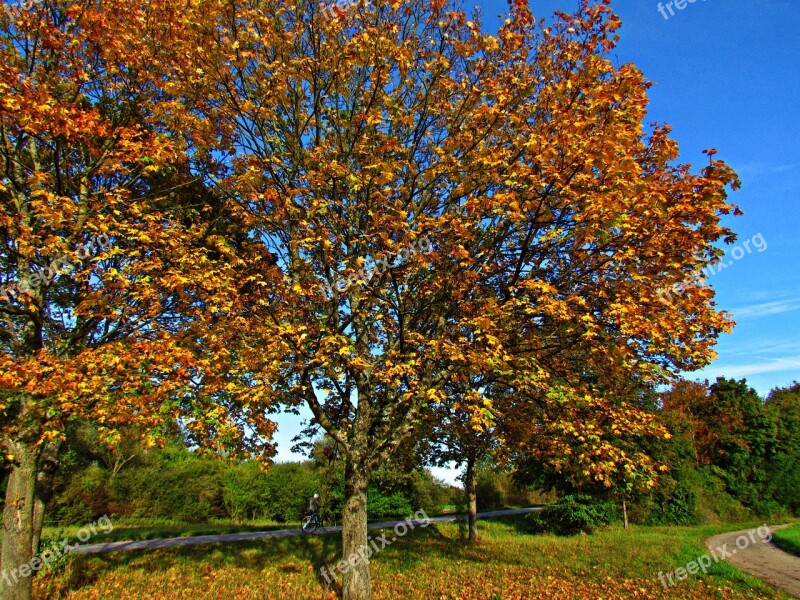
(762, 560)
(257, 535)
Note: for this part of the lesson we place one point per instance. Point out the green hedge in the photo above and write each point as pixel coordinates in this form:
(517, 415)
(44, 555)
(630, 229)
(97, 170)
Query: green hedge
(184, 487)
(573, 514)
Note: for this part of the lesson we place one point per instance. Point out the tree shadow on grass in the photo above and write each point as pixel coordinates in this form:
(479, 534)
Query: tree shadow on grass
(285, 554)
(291, 555)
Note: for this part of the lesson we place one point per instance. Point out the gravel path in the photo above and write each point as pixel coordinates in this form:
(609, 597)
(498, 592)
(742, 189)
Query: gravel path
(762, 560)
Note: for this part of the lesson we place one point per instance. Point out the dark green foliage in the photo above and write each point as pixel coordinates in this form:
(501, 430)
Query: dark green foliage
(179, 485)
(430, 494)
(290, 487)
(732, 456)
(499, 489)
(386, 506)
(674, 502)
(84, 497)
(783, 471)
(245, 492)
(76, 512)
(573, 514)
(740, 439)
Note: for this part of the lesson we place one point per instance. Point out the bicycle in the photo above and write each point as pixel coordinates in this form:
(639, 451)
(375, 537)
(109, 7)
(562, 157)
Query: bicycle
(311, 523)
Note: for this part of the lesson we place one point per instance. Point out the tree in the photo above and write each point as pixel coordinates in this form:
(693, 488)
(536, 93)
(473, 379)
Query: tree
(446, 204)
(463, 430)
(736, 434)
(732, 431)
(245, 491)
(683, 400)
(783, 471)
(114, 256)
(602, 442)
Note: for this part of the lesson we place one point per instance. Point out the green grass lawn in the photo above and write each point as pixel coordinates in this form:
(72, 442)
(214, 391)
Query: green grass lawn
(132, 531)
(435, 562)
(788, 539)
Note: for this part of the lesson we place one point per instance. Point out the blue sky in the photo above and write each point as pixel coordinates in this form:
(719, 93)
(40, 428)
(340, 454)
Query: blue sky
(726, 75)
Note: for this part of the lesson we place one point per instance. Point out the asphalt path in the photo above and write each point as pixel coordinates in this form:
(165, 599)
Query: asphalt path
(259, 535)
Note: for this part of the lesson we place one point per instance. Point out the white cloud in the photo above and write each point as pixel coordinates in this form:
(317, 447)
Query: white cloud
(749, 369)
(762, 170)
(767, 348)
(765, 308)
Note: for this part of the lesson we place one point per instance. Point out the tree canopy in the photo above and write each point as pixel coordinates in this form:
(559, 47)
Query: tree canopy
(392, 200)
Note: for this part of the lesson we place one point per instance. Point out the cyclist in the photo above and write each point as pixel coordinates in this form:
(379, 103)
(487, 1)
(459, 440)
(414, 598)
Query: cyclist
(311, 522)
(313, 506)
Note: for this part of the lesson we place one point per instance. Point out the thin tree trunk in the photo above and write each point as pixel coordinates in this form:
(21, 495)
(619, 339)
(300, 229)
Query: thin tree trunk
(471, 483)
(18, 525)
(43, 492)
(40, 498)
(625, 513)
(355, 545)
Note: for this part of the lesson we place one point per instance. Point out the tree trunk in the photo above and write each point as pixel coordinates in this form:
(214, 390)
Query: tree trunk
(47, 464)
(471, 483)
(18, 525)
(625, 513)
(355, 545)
(39, 506)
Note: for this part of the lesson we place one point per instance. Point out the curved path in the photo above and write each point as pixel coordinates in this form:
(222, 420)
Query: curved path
(762, 560)
(257, 535)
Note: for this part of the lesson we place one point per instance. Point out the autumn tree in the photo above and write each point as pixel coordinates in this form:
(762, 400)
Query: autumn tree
(681, 402)
(113, 253)
(463, 429)
(732, 427)
(445, 203)
(590, 433)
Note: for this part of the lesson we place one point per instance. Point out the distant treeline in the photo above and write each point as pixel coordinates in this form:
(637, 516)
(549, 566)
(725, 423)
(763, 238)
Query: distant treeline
(180, 485)
(731, 456)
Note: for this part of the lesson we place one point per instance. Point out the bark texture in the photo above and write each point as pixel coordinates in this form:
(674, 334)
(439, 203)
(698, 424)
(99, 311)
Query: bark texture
(19, 525)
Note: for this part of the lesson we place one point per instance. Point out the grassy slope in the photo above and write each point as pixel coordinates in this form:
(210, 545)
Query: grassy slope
(428, 563)
(788, 539)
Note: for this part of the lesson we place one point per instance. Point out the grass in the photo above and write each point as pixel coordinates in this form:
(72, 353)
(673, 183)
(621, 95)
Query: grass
(788, 539)
(155, 530)
(135, 530)
(435, 562)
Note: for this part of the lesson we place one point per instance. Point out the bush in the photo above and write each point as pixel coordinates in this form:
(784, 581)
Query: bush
(573, 514)
(428, 493)
(498, 490)
(289, 487)
(245, 493)
(84, 498)
(385, 506)
(673, 503)
(76, 512)
(176, 484)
